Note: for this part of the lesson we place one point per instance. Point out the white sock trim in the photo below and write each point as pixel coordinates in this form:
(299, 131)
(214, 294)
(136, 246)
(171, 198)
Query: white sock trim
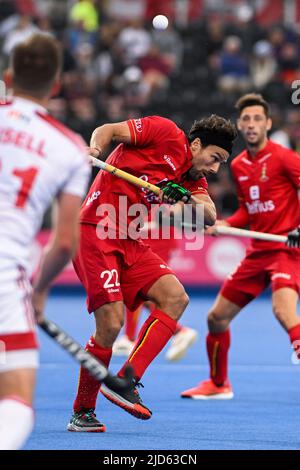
(16, 423)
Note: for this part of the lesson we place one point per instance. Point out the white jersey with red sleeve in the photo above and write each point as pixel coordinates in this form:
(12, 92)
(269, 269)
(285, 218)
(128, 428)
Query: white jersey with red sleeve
(268, 186)
(39, 158)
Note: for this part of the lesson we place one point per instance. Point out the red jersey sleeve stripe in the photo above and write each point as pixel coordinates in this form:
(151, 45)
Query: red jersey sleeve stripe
(72, 136)
(132, 131)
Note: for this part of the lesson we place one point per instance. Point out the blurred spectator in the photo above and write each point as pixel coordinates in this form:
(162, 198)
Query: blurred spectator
(22, 30)
(263, 65)
(114, 107)
(281, 137)
(83, 117)
(155, 71)
(45, 7)
(86, 69)
(234, 70)
(85, 13)
(44, 25)
(108, 60)
(288, 61)
(126, 10)
(134, 89)
(134, 42)
(77, 35)
(213, 34)
(222, 190)
(244, 26)
(280, 132)
(8, 25)
(58, 14)
(170, 46)
(58, 107)
(26, 7)
(7, 9)
(276, 36)
(293, 126)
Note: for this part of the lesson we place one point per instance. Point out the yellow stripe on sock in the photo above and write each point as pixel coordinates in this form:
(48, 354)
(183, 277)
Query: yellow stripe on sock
(144, 339)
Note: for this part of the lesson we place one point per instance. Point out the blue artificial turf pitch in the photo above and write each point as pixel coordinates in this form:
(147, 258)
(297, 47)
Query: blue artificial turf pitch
(264, 413)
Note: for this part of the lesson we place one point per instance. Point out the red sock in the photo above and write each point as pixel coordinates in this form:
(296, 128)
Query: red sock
(178, 328)
(154, 335)
(131, 322)
(217, 350)
(294, 334)
(88, 387)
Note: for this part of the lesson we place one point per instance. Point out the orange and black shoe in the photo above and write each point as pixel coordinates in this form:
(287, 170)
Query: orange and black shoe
(129, 400)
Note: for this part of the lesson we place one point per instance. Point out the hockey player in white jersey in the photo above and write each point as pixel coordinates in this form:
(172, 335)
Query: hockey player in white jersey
(40, 160)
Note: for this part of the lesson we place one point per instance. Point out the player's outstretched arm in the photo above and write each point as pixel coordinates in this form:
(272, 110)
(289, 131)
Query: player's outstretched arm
(61, 249)
(172, 193)
(104, 135)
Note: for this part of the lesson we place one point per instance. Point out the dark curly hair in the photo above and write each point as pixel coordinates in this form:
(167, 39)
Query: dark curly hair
(214, 130)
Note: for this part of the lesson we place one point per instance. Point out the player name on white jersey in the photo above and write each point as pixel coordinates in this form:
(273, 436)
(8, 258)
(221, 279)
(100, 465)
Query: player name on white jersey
(23, 140)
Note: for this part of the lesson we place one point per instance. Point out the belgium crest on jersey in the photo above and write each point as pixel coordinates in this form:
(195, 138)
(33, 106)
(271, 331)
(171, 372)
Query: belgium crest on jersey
(263, 176)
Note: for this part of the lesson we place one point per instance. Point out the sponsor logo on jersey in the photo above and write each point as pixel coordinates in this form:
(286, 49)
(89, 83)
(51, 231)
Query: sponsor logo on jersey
(243, 178)
(138, 125)
(257, 207)
(149, 195)
(93, 197)
(15, 114)
(168, 159)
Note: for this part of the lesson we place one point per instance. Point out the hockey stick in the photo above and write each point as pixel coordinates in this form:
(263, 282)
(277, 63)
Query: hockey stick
(223, 230)
(127, 176)
(238, 232)
(89, 362)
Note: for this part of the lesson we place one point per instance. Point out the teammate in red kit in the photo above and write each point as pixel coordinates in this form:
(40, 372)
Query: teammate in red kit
(267, 177)
(115, 267)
